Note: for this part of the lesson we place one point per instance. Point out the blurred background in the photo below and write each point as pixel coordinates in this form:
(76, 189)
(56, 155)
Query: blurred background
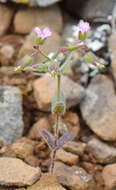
(90, 90)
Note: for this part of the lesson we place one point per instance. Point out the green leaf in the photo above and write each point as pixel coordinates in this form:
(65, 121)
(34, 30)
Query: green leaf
(42, 68)
(66, 69)
(58, 104)
(88, 58)
(27, 60)
(72, 48)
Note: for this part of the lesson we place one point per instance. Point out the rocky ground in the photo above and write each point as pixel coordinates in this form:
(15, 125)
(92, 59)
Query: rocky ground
(89, 161)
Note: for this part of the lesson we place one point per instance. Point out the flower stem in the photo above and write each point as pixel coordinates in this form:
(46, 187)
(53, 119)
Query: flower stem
(56, 131)
(44, 55)
(67, 62)
(58, 86)
(53, 156)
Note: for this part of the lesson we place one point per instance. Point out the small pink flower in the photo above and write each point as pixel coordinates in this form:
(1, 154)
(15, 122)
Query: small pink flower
(42, 34)
(83, 27)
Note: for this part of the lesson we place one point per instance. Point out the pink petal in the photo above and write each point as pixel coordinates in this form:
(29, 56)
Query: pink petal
(47, 32)
(83, 26)
(37, 31)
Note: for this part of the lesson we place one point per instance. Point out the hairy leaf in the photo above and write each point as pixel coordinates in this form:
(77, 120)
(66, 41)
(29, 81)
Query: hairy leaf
(42, 68)
(48, 137)
(64, 139)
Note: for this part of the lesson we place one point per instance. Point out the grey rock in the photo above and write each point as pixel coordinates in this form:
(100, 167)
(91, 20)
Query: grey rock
(102, 152)
(99, 108)
(11, 122)
(84, 68)
(40, 3)
(84, 79)
(95, 45)
(98, 38)
(105, 28)
(75, 178)
(45, 3)
(97, 11)
(112, 47)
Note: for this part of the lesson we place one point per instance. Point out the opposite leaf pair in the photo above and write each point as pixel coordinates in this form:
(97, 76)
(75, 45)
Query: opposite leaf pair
(52, 142)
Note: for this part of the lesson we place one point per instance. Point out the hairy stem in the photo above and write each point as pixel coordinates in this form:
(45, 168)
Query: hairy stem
(44, 55)
(56, 132)
(53, 156)
(58, 86)
(58, 97)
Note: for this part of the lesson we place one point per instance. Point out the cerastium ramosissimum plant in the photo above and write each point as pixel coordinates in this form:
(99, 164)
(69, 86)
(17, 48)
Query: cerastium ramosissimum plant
(55, 68)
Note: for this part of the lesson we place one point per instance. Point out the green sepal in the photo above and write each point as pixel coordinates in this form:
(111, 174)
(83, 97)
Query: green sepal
(53, 74)
(82, 36)
(39, 41)
(58, 104)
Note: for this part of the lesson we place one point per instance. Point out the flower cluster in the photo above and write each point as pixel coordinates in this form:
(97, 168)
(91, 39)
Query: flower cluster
(51, 64)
